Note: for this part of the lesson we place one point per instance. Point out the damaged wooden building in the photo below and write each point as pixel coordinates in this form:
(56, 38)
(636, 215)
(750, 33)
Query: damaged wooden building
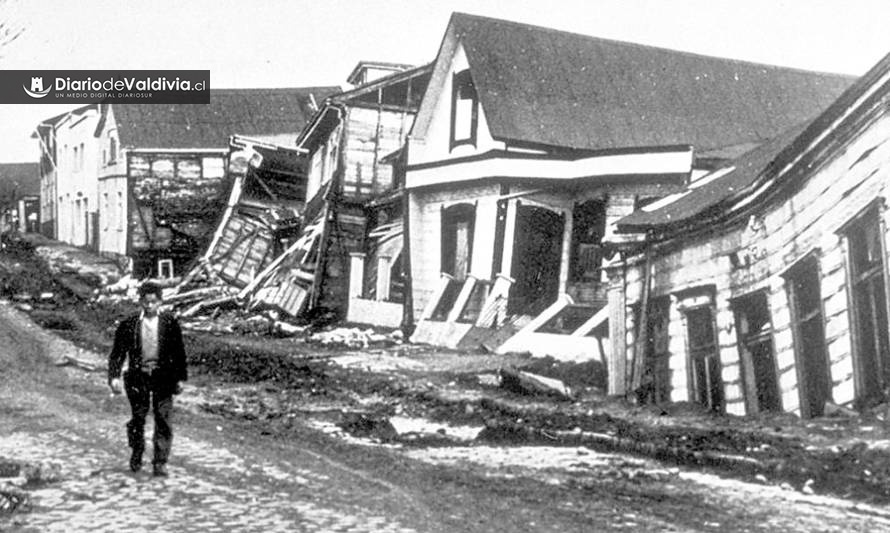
(530, 143)
(763, 285)
(351, 144)
(146, 182)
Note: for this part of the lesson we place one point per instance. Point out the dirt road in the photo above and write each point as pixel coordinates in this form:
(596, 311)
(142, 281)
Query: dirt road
(235, 475)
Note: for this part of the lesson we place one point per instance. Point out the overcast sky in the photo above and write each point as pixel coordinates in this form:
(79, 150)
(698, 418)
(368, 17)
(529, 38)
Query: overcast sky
(301, 43)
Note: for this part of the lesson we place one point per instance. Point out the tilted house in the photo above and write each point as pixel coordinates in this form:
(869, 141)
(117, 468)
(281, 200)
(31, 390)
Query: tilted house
(763, 286)
(145, 182)
(531, 142)
(358, 264)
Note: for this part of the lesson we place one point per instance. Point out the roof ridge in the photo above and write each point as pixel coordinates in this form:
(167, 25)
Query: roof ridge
(456, 16)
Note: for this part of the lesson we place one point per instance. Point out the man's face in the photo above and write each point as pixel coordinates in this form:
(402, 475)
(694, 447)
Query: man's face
(150, 304)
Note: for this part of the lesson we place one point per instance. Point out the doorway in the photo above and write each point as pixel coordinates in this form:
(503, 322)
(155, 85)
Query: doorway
(537, 253)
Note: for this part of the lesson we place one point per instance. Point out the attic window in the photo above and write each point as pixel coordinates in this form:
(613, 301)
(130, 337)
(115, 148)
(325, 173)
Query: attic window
(464, 109)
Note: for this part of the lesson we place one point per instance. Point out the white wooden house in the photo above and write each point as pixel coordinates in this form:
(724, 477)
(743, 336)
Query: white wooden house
(530, 142)
(763, 286)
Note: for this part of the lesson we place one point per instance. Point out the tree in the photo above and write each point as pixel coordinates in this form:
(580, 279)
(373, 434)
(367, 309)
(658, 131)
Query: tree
(9, 29)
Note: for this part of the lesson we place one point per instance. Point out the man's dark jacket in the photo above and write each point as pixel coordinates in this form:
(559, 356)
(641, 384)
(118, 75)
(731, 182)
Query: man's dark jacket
(171, 352)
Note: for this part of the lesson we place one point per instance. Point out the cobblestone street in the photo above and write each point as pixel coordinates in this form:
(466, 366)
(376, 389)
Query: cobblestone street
(237, 475)
(210, 488)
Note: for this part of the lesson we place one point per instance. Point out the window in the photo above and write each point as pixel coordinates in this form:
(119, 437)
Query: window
(112, 150)
(80, 161)
(75, 157)
(105, 213)
(588, 228)
(165, 268)
(121, 212)
(802, 283)
(755, 341)
(464, 110)
(868, 306)
(707, 384)
(457, 239)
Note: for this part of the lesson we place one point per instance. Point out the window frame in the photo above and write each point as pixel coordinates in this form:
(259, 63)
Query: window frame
(459, 81)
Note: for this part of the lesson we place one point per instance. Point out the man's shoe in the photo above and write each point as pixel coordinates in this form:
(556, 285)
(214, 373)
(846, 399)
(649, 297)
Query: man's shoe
(160, 470)
(135, 462)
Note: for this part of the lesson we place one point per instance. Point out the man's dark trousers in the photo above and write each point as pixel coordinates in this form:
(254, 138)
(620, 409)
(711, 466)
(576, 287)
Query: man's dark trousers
(144, 390)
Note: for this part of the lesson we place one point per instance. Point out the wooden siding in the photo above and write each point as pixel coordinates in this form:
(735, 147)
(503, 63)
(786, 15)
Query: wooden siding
(370, 135)
(739, 261)
(176, 204)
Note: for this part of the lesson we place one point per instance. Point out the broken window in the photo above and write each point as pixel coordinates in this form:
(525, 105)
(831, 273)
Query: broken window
(869, 313)
(803, 285)
(457, 239)
(704, 355)
(464, 109)
(755, 342)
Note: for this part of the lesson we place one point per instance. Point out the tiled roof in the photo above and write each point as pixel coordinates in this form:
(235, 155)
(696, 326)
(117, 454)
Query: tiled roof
(250, 112)
(547, 87)
(23, 177)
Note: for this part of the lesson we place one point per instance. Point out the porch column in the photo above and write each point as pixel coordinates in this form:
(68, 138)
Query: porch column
(356, 274)
(618, 335)
(383, 277)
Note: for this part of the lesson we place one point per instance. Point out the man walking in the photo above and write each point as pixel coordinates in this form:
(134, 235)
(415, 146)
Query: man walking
(152, 343)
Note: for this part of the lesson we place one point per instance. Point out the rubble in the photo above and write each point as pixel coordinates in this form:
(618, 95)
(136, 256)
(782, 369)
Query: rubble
(356, 338)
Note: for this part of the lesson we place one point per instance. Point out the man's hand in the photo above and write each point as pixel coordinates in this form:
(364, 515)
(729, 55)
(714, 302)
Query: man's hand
(178, 388)
(115, 385)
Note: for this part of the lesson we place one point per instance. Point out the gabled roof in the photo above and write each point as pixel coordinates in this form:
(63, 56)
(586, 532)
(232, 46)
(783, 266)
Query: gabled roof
(21, 178)
(402, 90)
(540, 86)
(777, 166)
(248, 112)
(353, 78)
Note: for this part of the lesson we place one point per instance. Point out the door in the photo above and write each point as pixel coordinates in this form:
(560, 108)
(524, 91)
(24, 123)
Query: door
(755, 342)
(805, 296)
(707, 381)
(869, 313)
(537, 252)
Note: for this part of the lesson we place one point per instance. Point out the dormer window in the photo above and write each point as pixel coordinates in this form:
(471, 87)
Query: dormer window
(464, 109)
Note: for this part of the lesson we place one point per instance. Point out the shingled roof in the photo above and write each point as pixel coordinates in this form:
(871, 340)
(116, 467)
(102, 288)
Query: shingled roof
(542, 86)
(762, 166)
(710, 195)
(250, 112)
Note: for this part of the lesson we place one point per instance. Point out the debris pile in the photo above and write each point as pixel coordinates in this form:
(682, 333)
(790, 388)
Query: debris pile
(356, 338)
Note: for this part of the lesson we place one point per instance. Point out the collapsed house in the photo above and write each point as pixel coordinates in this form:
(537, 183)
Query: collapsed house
(763, 285)
(530, 143)
(146, 182)
(258, 224)
(351, 145)
(274, 249)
